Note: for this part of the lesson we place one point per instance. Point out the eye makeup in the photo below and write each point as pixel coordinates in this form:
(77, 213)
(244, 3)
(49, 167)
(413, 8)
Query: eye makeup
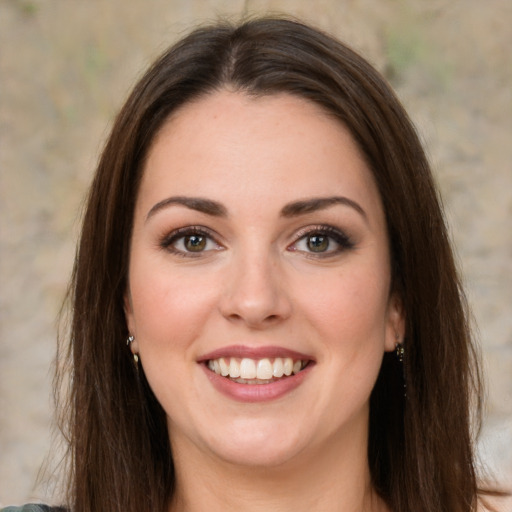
(321, 241)
(315, 241)
(190, 242)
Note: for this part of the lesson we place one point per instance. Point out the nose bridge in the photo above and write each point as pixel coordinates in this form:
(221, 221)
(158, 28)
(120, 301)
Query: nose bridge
(254, 292)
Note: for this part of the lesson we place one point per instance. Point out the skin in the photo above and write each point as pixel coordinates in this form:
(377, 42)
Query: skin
(258, 283)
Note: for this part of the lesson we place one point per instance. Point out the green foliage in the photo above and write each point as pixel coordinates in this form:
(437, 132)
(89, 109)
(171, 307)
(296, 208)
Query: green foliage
(413, 54)
(404, 48)
(28, 7)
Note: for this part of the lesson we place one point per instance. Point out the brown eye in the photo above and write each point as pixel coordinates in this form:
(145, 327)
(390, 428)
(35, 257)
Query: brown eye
(318, 243)
(190, 241)
(321, 241)
(194, 243)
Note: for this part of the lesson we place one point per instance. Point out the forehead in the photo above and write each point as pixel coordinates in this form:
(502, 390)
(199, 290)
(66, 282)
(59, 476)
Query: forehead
(230, 144)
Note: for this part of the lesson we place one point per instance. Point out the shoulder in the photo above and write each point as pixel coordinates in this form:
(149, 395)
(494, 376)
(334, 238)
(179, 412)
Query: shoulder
(33, 508)
(499, 503)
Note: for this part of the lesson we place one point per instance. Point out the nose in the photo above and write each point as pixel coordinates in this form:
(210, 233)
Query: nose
(255, 293)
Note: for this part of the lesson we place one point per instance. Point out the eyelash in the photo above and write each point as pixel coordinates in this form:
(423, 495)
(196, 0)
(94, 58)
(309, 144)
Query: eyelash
(343, 241)
(169, 241)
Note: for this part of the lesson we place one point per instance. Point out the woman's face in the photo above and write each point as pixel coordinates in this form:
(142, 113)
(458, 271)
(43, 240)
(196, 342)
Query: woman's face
(259, 248)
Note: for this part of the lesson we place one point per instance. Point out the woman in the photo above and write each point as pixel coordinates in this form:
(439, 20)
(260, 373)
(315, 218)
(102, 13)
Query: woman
(266, 311)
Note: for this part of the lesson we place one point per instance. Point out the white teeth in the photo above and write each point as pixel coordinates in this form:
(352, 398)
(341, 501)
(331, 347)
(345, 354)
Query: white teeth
(224, 367)
(234, 368)
(250, 371)
(288, 366)
(264, 369)
(247, 369)
(278, 367)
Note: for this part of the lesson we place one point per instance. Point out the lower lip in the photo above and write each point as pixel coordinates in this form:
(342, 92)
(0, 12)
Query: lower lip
(256, 392)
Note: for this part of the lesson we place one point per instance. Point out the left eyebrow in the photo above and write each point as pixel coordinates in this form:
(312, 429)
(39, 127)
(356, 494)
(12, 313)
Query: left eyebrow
(193, 203)
(320, 203)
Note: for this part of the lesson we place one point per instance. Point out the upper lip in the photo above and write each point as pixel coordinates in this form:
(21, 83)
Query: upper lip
(243, 351)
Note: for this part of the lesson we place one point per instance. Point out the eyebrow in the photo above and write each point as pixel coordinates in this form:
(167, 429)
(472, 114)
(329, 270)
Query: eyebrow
(293, 209)
(320, 203)
(193, 203)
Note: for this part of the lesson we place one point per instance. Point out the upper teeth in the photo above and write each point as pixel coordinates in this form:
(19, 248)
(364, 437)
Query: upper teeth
(262, 369)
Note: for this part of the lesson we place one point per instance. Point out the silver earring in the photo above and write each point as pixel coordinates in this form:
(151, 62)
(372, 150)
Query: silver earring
(129, 341)
(400, 352)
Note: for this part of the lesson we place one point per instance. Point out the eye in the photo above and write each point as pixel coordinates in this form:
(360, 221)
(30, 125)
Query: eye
(190, 242)
(318, 243)
(322, 241)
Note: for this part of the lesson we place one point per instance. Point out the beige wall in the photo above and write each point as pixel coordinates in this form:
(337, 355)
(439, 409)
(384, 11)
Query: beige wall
(65, 67)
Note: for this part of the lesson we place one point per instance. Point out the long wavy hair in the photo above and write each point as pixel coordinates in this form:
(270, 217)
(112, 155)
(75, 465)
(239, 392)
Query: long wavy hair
(420, 447)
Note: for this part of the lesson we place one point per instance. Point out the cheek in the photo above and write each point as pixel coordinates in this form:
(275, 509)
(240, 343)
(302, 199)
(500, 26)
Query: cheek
(168, 307)
(170, 313)
(349, 308)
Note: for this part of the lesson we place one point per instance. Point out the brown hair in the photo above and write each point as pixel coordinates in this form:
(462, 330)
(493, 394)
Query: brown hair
(421, 446)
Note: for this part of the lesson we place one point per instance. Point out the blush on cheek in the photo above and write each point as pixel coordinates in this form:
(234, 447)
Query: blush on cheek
(176, 319)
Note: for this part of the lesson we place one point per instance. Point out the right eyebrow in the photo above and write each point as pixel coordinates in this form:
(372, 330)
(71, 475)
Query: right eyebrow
(320, 203)
(194, 203)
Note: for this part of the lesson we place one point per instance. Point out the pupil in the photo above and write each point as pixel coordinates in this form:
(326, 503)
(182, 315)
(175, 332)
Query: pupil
(318, 243)
(195, 243)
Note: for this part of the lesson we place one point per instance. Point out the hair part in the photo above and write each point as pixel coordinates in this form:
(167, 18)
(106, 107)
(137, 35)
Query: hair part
(421, 446)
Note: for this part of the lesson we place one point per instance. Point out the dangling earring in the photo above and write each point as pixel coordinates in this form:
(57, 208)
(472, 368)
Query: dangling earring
(400, 353)
(129, 341)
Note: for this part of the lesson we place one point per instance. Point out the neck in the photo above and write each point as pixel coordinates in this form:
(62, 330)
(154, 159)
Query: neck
(320, 480)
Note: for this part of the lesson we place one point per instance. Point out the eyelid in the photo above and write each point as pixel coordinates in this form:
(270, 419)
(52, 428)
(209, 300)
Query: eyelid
(338, 235)
(169, 239)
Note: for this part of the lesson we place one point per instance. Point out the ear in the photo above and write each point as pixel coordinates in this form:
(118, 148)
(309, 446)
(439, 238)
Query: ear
(395, 329)
(130, 322)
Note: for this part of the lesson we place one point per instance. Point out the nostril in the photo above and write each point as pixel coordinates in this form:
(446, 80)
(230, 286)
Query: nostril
(254, 299)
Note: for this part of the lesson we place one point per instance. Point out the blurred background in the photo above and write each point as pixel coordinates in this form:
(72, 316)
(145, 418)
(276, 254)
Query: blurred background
(67, 65)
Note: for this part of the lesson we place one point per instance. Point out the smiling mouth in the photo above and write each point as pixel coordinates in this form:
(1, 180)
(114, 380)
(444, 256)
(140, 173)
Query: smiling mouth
(256, 371)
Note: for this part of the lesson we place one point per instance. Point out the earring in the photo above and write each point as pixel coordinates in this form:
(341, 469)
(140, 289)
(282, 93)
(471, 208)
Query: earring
(129, 341)
(400, 351)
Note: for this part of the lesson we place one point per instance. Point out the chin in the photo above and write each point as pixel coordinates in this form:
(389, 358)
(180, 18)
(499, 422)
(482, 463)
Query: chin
(258, 443)
(254, 455)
